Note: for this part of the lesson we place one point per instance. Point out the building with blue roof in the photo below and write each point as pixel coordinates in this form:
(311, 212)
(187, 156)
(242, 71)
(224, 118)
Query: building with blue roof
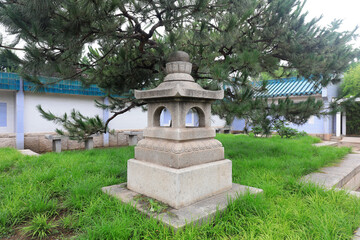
(22, 126)
(287, 87)
(298, 89)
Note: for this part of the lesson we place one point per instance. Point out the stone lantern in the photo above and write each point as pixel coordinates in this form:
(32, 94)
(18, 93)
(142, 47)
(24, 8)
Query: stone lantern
(179, 165)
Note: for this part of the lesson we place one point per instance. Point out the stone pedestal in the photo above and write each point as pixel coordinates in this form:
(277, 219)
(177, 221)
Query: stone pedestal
(133, 137)
(56, 142)
(89, 143)
(179, 187)
(56, 145)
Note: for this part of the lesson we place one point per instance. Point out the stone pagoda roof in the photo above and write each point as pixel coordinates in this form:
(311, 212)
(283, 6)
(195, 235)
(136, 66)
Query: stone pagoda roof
(178, 82)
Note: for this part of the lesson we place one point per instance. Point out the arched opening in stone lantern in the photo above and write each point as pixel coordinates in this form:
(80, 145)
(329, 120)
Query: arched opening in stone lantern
(162, 117)
(195, 117)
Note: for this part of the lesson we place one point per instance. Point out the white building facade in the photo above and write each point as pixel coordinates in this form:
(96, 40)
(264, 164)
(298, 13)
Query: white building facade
(22, 126)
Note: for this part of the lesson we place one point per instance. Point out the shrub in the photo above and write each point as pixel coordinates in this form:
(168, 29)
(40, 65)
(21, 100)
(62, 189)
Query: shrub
(281, 128)
(302, 134)
(288, 132)
(257, 130)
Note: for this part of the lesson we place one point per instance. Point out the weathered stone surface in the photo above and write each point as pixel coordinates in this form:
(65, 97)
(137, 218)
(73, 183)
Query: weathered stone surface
(176, 67)
(32, 143)
(45, 145)
(325, 143)
(56, 145)
(122, 139)
(179, 134)
(113, 139)
(179, 154)
(339, 175)
(179, 56)
(89, 143)
(7, 142)
(179, 83)
(177, 147)
(140, 135)
(53, 137)
(98, 141)
(132, 137)
(177, 88)
(179, 187)
(64, 144)
(7, 135)
(327, 137)
(181, 160)
(197, 213)
(72, 145)
(28, 152)
(353, 183)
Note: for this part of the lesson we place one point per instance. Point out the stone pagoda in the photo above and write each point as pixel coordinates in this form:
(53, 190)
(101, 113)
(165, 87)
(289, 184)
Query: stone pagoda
(179, 165)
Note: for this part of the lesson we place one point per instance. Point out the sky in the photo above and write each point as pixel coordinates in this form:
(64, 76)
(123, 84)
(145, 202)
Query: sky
(347, 10)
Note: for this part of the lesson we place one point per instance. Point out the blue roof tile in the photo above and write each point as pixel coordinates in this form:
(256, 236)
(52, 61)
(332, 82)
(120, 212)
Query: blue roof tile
(11, 81)
(275, 88)
(289, 87)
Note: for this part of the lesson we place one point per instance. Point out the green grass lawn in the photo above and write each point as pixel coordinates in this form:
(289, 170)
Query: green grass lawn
(59, 195)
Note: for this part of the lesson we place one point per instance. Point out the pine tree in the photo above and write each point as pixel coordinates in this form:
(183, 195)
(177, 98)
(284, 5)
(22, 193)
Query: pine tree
(122, 45)
(6, 65)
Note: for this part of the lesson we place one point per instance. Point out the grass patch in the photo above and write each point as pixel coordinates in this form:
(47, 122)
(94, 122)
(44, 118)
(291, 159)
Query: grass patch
(40, 227)
(64, 190)
(152, 205)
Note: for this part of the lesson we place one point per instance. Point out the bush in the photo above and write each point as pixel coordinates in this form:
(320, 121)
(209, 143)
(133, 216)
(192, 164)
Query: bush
(288, 132)
(281, 128)
(257, 130)
(302, 134)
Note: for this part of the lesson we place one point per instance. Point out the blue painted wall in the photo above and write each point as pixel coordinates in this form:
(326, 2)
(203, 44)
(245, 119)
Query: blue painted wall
(20, 117)
(3, 114)
(315, 125)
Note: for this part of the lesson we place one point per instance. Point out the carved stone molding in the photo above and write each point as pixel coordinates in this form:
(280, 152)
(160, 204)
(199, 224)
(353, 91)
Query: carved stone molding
(178, 147)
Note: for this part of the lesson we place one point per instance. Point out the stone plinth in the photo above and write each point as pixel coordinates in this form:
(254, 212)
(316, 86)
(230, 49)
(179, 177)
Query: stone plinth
(89, 143)
(133, 137)
(56, 142)
(198, 213)
(179, 187)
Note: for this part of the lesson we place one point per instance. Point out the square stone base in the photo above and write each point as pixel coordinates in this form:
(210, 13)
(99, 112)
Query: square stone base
(197, 213)
(179, 187)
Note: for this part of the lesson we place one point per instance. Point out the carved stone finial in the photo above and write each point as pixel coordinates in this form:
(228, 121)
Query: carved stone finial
(179, 56)
(179, 67)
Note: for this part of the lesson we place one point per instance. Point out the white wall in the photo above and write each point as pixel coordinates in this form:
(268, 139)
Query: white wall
(217, 122)
(8, 97)
(57, 104)
(133, 119)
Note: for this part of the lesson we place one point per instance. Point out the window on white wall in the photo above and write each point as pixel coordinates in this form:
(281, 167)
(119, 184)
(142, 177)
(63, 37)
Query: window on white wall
(3, 114)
